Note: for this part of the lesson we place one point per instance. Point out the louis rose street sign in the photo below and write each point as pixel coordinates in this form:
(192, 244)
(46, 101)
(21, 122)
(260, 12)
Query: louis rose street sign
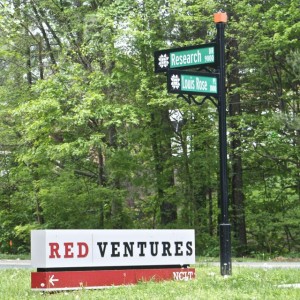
(186, 57)
(193, 83)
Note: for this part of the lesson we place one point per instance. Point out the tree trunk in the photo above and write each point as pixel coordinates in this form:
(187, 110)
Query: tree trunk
(101, 182)
(116, 203)
(162, 151)
(238, 210)
(41, 65)
(28, 65)
(210, 212)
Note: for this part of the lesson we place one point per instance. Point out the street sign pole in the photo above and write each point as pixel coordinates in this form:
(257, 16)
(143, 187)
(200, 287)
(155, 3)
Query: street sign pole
(210, 85)
(220, 19)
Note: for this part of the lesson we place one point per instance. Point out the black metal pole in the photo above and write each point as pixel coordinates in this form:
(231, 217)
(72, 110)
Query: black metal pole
(225, 240)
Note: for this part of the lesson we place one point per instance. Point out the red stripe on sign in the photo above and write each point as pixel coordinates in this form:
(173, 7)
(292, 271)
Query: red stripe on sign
(105, 278)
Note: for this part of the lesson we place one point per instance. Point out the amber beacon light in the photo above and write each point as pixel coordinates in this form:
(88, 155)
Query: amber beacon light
(220, 17)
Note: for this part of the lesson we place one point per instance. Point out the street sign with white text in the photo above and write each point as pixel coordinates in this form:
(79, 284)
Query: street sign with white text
(186, 57)
(192, 83)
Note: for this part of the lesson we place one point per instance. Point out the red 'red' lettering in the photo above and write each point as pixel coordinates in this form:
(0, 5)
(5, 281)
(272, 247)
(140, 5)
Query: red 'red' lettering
(68, 250)
(83, 249)
(54, 247)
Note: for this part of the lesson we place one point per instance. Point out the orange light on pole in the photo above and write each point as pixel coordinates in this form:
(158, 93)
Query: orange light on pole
(220, 17)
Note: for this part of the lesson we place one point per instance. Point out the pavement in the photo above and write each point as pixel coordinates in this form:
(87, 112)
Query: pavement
(15, 264)
(263, 264)
(18, 263)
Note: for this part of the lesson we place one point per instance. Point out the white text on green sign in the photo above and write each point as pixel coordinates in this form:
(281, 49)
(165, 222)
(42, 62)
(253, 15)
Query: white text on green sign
(193, 84)
(185, 57)
(192, 57)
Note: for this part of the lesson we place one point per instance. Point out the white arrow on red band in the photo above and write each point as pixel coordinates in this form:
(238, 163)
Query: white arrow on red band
(52, 280)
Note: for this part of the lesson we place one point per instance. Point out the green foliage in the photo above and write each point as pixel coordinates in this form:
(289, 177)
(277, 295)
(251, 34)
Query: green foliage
(88, 138)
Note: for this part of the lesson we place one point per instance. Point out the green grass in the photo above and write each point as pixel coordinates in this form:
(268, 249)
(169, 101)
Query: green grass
(245, 283)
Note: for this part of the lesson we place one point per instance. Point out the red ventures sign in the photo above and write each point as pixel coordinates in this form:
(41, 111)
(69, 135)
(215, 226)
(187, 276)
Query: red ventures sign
(106, 255)
(111, 248)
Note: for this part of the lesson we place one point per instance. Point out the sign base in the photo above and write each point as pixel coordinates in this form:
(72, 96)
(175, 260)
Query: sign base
(95, 279)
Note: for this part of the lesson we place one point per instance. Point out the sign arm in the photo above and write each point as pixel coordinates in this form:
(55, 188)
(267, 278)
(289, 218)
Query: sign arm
(185, 98)
(206, 69)
(204, 99)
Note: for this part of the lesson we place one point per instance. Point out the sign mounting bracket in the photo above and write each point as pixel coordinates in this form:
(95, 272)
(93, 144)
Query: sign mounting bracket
(190, 98)
(206, 69)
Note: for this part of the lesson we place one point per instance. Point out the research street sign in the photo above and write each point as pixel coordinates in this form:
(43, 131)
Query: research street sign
(186, 57)
(192, 83)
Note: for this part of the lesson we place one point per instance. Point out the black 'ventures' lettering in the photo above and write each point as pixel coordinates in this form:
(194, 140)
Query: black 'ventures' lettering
(102, 248)
(142, 246)
(128, 249)
(166, 249)
(178, 250)
(154, 251)
(189, 248)
(114, 249)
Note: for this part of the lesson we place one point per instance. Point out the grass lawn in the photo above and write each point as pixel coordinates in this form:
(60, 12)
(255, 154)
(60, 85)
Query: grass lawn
(245, 283)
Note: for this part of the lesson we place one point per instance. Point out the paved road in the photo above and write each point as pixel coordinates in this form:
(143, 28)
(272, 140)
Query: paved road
(15, 264)
(263, 264)
(26, 264)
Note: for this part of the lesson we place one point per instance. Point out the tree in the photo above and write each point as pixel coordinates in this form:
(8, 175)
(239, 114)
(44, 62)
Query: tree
(269, 98)
(86, 125)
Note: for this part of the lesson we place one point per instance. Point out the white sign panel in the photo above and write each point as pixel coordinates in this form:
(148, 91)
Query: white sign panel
(111, 248)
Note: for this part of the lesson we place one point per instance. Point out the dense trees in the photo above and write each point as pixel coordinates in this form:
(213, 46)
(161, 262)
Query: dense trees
(91, 139)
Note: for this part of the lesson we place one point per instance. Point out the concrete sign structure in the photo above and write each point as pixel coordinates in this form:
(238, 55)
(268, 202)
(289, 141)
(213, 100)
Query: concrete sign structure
(93, 279)
(68, 259)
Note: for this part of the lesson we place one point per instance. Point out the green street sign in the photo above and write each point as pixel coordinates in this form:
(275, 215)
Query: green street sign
(186, 57)
(192, 83)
